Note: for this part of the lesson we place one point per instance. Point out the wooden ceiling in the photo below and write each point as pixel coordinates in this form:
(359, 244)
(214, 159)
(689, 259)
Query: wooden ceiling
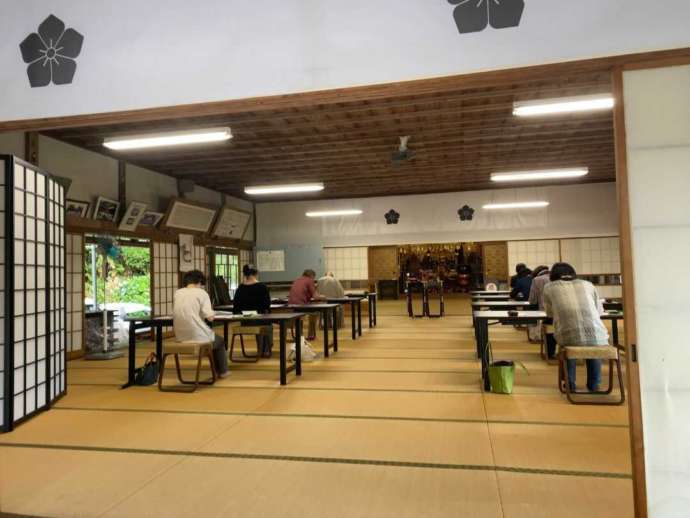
(460, 131)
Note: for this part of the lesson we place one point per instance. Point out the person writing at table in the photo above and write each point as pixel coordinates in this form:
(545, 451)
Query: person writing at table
(191, 308)
(330, 288)
(303, 291)
(576, 309)
(253, 295)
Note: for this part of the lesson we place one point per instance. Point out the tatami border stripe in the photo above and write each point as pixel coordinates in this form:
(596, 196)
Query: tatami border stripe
(324, 460)
(337, 416)
(253, 369)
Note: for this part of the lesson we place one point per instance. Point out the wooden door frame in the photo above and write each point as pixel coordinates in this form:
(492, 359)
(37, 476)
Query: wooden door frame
(625, 230)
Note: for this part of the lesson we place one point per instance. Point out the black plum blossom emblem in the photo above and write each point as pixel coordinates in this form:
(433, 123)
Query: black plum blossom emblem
(475, 15)
(51, 53)
(392, 217)
(466, 213)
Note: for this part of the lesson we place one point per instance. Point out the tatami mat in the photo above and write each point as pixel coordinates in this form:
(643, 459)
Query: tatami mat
(394, 424)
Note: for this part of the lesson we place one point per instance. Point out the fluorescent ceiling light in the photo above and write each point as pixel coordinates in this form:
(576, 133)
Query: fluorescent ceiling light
(583, 103)
(284, 189)
(547, 174)
(517, 205)
(329, 213)
(174, 138)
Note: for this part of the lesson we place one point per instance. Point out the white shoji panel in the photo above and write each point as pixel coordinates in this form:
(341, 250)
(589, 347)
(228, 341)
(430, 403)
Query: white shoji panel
(75, 291)
(246, 257)
(200, 262)
(532, 253)
(347, 263)
(599, 255)
(166, 274)
(57, 290)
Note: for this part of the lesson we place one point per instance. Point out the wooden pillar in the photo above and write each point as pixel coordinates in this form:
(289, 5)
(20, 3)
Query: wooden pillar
(31, 147)
(122, 186)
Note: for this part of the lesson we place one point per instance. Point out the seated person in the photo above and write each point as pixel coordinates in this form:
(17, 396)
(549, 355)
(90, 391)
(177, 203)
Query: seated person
(523, 284)
(330, 288)
(576, 310)
(253, 295)
(191, 306)
(518, 268)
(303, 291)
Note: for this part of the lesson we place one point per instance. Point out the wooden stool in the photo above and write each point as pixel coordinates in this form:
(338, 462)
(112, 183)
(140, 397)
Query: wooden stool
(197, 349)
(605, 352)
(242, 331)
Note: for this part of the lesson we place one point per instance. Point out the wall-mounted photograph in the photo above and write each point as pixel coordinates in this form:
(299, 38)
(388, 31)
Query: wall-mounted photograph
(133, 216)
(151, 219)
(77, 208)
(106, 209)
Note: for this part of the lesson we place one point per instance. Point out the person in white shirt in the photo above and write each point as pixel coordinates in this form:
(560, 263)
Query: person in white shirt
(191, 308)
(330, 288)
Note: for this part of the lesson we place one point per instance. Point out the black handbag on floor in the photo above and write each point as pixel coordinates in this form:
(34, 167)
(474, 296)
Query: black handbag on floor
(148, 374)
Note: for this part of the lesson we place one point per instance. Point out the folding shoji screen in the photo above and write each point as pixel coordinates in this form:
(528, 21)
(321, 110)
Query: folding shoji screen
(75, 292)
(200, 262)
(33, 315)
(165, 277)
(246, 257)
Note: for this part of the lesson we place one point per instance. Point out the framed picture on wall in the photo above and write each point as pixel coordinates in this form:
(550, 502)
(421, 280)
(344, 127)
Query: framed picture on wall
(105, 209)
(133, 215)
(189, 215)
(151, 219)
(77, 208)
(231, 223)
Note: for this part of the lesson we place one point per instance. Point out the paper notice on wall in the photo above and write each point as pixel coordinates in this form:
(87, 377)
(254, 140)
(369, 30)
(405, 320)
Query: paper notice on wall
(270, 260)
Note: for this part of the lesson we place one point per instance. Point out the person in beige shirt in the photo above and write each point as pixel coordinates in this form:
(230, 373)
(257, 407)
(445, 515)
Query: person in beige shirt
(191, 309)
(329, 287)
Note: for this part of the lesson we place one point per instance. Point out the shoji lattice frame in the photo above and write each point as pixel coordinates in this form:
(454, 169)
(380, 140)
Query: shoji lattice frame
(75, 292)
(166, 274)
(33, 315)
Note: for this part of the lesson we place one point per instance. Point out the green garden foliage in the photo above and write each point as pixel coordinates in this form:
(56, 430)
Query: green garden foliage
(128, 280)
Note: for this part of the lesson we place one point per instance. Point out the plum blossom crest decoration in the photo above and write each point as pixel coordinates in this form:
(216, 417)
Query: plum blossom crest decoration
(51, 52)
(466, 213)
(392, 217)
(476, 15)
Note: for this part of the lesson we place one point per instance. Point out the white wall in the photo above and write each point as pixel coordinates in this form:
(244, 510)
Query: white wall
(657, 104)
(12, 144)
(578, 210)
(140, 54)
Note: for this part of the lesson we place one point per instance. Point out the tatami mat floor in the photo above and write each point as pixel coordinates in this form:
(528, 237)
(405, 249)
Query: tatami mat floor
(394, 424)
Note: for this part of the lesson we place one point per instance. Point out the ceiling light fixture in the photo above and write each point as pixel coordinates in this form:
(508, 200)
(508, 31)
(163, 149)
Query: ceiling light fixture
(517, 205)
(546, 174)
(284, 189)
(330, 213)
(582, 103)
(174, 138)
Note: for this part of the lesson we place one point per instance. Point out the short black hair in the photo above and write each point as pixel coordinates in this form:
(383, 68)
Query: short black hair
(193, 277)
(519, 267)
(538, 270)
(309, 273)
(249, 269)
(562, 272)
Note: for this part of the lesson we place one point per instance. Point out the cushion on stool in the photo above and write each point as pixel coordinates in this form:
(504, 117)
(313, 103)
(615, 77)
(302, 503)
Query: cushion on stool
(598, 352)
(548, 329)
(250, 330)
(185, 347)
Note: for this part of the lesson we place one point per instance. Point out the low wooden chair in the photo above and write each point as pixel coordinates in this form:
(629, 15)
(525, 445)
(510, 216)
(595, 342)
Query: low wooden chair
(239, 330)
(606, 352)
(194, 349)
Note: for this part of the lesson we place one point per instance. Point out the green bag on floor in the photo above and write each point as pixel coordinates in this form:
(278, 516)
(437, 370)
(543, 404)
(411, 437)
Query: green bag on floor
(502, 377)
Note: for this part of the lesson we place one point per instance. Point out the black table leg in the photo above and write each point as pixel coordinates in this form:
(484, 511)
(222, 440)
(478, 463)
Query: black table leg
(159, 341)
(353, 319)
(484, 341)
(283, 347)
(371, 314)
(335, 328)
(375, 299)
(132, 352)
(477, 337)
(615, 332)
(359, 316)
(324, 316)
(298, 347)
(225, 333)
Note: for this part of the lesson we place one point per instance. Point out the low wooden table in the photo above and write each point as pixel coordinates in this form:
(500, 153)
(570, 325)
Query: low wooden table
(281, 319)
(491, 297)
(371, 298)
(487, 292)
(324, 309)
(481, 322)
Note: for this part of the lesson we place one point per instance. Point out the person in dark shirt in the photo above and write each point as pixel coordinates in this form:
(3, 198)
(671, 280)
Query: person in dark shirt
(253, 295)
(522, 286)
(519, 267)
